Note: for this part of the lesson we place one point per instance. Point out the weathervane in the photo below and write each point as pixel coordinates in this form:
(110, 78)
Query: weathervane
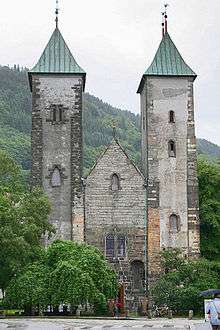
(57, 13)
(164, 21)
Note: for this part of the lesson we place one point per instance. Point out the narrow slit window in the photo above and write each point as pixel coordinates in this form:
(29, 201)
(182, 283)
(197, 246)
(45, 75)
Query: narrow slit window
(115, 182)
(54, 114)
(56, 178)
(172, 149)
(110, 246)
(171, 116)
(174, 223)
(60, 114)
(121, 246)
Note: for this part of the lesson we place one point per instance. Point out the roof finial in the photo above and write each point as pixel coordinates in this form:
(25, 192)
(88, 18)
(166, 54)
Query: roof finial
(57, 14)
(163, 24)
(114, 129)
(165, 16)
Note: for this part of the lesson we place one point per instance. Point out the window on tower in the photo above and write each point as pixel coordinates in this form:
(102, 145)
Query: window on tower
(57, 114)
(115, 182)
(171, 116)
(171, 148)
(174, 223)
(56, 178)
(110, 246)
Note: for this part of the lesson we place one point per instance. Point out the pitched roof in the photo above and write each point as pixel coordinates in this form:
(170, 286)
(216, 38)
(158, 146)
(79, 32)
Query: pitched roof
(116, 142)
(168, 62)
(57, 57)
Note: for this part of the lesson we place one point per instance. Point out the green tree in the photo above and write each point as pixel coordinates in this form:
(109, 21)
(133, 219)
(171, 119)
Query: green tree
(22, 221)
(69, 273)
(183, 280)
(29, 289)
(88, 260)
(209, 202)
(75, 287)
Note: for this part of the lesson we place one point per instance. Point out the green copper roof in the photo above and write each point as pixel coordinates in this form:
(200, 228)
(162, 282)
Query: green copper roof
(168, 62)
(57, 57)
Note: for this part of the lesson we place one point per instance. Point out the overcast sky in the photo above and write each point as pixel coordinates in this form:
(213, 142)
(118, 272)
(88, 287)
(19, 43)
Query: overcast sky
(114, 41)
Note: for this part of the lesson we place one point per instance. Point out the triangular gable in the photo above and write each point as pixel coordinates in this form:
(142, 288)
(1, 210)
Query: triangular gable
(115, 141)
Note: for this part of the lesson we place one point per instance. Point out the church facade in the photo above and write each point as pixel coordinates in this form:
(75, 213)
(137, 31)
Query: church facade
(129, 215)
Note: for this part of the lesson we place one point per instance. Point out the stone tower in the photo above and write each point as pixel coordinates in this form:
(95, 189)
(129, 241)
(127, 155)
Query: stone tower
(169, 154)
(57, 83)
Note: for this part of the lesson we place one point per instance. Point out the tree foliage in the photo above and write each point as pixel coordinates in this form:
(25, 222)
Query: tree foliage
(29, 288)
(183, 280)
(209, 201)
(22, 221)
(69, 273)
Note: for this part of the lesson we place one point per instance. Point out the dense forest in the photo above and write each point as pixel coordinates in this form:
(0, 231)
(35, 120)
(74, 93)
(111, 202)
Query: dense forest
(98, 117)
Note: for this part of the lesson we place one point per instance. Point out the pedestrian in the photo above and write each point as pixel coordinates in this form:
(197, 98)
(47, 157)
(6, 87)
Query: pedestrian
(116, 308)
(213, 309)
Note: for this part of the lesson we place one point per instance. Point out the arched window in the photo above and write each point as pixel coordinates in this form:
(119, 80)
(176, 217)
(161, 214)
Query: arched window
(110, 246)
(174, 223)
(56, 178)
(171, 117)
(115, 182)
(57, 113)
(171, 149)
(121, 246)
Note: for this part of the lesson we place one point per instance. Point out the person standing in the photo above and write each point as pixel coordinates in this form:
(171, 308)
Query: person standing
(213, 309)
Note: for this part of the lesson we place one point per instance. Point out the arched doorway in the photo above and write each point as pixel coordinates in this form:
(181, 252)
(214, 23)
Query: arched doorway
(137, 272)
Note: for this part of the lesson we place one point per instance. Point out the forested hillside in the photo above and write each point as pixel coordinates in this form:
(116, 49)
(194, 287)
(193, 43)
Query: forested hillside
(15, 123)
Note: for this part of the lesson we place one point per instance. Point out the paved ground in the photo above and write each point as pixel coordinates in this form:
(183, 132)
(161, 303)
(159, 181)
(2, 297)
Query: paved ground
(97, 324)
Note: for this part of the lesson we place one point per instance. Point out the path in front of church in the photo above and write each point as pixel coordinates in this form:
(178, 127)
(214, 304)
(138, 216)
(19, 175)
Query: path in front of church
(98, 324)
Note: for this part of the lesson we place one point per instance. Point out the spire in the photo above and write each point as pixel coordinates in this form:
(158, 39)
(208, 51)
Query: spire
(167, 61)
(57, 14)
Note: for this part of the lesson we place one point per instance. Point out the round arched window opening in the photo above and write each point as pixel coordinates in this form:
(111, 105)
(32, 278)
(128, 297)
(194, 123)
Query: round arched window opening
(115, 182)
(56, 178)
(174, 223)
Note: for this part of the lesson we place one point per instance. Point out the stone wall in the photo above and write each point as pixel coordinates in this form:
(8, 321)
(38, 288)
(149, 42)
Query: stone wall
(172, 181)
(192, 180)
(58, 144)
(118, 213)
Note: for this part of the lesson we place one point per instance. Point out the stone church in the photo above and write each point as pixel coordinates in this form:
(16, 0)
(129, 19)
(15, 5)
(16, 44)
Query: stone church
(128, 215)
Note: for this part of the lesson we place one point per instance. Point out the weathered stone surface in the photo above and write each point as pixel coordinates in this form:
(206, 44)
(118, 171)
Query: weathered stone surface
(119, 212)
(59, 144)
(172, 181)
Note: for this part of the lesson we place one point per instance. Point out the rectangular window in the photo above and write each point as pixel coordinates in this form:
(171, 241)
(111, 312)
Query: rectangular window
(110, 246)
(121, 246)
